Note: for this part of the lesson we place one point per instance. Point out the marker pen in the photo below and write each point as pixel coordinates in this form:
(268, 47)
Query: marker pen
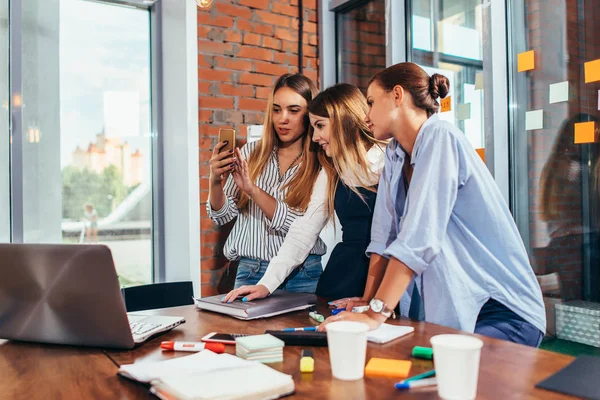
(310, 328)
(416, 384)
(193, 346)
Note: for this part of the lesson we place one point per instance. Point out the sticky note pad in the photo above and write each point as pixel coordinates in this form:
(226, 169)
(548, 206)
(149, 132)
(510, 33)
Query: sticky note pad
(387, 367)
(463, 111)
(446, 104)
(481, 153)
(559, 92)
(584, 132)
(592, 71)
(534, 120)
(479, 81)
(526, 61)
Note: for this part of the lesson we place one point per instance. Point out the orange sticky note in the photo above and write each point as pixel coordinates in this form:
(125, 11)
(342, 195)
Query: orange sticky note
(446, 104)
(481, 153)
(526, 61)
(592, 71)
(584, 132)
(388, 367)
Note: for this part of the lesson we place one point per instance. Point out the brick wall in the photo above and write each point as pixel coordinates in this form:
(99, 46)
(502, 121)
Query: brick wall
(243, 46)
(562, 44)
(363, 43)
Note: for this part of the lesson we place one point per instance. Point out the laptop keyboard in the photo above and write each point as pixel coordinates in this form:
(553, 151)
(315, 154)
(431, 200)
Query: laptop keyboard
(139, 328)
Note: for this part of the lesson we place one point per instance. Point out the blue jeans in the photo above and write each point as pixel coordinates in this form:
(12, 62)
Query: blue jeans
(303, 279)
(497, 321)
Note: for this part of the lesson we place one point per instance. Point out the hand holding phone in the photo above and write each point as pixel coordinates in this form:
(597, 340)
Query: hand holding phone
(223, 158)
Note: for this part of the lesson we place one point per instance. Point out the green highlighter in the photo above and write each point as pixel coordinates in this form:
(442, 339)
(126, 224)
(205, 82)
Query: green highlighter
(423, 352)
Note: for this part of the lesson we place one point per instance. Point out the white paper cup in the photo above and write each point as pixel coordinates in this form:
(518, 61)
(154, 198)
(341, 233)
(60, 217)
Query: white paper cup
(456, 360)
(347, 342)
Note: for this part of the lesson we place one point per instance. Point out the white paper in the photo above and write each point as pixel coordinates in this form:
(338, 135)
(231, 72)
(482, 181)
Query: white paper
(463, 111)
(534, 120)
(559, 92)
(479, 81)
(387, 332)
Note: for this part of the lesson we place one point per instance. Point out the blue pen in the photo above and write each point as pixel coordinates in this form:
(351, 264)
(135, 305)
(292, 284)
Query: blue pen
(309, 328)
(416, 384)
(337, 311)
(420, 376)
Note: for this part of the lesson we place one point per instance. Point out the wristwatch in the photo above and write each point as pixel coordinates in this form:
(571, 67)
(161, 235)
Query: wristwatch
(378, 306)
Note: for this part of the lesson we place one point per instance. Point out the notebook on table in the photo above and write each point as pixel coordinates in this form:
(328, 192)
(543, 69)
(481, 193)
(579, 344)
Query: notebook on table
(580, 378)
(207, 375)
(280, 302)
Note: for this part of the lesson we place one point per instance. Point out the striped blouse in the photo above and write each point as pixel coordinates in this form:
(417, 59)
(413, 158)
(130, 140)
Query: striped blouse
(254, 235)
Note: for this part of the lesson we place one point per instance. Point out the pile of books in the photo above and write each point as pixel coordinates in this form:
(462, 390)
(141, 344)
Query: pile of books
(264, 348)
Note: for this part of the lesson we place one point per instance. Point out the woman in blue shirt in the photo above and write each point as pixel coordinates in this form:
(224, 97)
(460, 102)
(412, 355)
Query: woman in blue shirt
(441, 221)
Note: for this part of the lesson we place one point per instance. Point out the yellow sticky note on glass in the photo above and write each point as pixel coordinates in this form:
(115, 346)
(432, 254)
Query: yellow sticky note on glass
(479, 81)
(526, 61)
(592, 71)
(481, 153)
(446, 104)
(584, 132)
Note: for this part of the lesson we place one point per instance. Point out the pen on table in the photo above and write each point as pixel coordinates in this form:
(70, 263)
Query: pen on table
(316, 316)
(192, 346)
(416, 384)
(309, 328)
(420, 376)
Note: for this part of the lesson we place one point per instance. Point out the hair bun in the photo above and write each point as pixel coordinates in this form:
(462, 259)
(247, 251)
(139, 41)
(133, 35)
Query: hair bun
(439, 86)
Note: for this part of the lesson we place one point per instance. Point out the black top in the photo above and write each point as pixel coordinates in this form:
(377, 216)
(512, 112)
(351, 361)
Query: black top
(348, 267)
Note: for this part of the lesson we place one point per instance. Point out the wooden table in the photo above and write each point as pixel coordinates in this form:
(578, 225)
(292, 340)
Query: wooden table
(507, 370)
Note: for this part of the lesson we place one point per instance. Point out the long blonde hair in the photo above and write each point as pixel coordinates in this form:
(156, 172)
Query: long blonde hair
(300, 187)
(349, 139)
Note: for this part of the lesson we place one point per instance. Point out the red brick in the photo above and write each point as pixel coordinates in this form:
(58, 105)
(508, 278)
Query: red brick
(255, 53)
(313, 40)
(275, 19)
(253, 118)
(204, 185)
(263, 92)
(282, 58)
(205, 18)
(288, 46)
(205, 115)
(286, 34)
(233, 63)
(284, 9)
(260, 4)
(203, 87)
(270, 69)
(235, 11)
(203, 31)
(211, 237)
(263, 29)
(252, 104)
(309, 51)
(202, 61)
(208, 46)
(215, 102)
(310, 27)
(251, 39)
(205, 156)
(236, 90)
(256, 79)
(206, 290)
(233, 36)
(310, 4)
(207, 224)
(271, 43)
(214, 75)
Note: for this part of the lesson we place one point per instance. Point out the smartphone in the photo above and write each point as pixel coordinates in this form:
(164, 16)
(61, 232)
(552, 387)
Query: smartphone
(226, 338)
(227, 134)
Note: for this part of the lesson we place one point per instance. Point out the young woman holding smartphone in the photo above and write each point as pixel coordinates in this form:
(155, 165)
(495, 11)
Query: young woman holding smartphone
(441, 220)
(266, 189)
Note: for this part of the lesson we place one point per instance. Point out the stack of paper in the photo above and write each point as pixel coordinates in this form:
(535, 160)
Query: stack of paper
(264, 348)
(209, 376)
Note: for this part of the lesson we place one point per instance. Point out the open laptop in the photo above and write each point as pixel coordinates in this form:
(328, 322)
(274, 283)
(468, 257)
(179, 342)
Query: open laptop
(68, 294)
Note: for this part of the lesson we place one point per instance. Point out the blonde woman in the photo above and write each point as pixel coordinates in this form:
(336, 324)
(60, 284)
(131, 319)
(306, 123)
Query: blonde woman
(268, 187)
(352, 160)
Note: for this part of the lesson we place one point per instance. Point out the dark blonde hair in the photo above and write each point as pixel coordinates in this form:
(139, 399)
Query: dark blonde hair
(300, 187)
(350, 138)
(424, 89)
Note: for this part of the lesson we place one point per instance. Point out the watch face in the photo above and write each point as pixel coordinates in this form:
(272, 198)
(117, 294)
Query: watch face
(376, 305)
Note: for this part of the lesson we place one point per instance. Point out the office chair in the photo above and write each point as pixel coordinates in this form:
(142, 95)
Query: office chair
(158, 295)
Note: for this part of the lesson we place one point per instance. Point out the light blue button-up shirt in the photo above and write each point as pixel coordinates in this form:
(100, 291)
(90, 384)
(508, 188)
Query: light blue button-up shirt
(454, 230)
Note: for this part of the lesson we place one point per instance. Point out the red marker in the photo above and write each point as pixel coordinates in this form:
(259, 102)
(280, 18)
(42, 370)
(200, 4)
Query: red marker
(193, 346)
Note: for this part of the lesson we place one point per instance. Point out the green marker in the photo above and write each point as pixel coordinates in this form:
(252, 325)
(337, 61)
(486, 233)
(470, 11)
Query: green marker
(420, 376)
(423, 352)
(316, 316)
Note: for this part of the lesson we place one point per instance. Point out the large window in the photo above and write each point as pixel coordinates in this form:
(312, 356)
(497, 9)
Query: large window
(556, 174)
(361, 42)
(4, 125)
(446, 37)
(81, 168)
